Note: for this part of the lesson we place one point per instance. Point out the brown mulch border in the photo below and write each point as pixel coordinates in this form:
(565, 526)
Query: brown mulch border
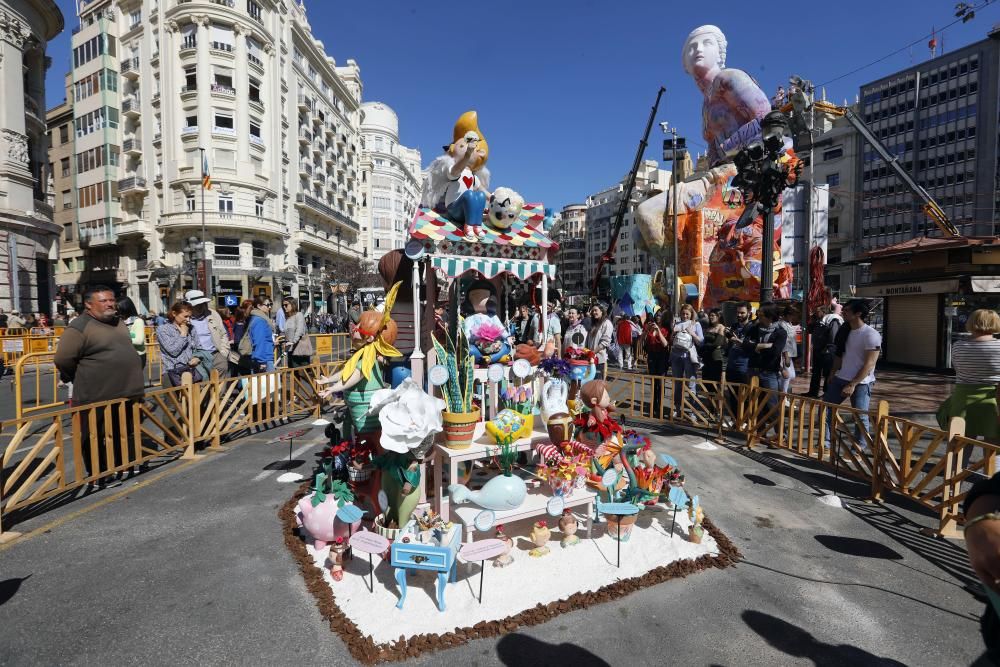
(365, 650)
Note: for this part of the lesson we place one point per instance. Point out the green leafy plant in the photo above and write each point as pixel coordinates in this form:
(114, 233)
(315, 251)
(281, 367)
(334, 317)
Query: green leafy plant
(505, 455)
(339, 488)
(457, 391)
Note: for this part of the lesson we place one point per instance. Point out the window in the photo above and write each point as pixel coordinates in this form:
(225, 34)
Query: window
(254, 90)
(67, 199)
(833, 225)
(254, 129)
(190, 36)
(97, 157)
(227, 248)
(92, 195)
(259, 249)
(833, 180)
(189, 202)
(224, 119)
(64, 133)
(92, 48)
(64, 165)
(68, 231)
(258, 206)
(191, 122)
(253, 9)
(225, 203)
(96, 120)
(134, 19)
(221, 37)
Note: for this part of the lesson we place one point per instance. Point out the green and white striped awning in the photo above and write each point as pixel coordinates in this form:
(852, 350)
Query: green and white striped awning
(454, 266)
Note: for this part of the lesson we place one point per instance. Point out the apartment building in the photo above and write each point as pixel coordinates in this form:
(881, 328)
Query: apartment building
(572, 256)
(62, 198)
(601, 209)
(390, 180)
(29, 240)
(161, 88)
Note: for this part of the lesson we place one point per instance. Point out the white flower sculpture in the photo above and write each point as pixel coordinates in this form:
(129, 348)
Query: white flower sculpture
(408, 416)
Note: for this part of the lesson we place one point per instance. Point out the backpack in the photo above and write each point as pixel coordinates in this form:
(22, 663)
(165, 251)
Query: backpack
(245, 348)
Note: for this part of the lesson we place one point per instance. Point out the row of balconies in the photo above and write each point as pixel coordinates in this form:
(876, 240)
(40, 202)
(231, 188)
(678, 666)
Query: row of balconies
(328, 211)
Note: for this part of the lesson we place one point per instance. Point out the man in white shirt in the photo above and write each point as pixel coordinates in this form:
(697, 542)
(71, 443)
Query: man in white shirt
(854, 362)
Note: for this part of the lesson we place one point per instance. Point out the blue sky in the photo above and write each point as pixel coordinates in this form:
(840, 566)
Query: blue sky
(563, 89)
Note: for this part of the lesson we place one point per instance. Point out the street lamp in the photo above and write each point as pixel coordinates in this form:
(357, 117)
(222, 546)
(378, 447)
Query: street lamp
(762, 178)
(193, 252)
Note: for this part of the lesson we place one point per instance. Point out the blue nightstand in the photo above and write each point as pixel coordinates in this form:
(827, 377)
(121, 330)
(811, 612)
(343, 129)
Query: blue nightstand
(419, 556)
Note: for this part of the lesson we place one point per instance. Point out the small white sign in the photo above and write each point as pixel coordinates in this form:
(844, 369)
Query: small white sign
(555, 506)
(13, 345)
(368, 542)
(481, 550)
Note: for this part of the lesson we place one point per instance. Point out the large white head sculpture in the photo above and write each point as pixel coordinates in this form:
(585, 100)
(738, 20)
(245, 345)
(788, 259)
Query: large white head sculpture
(704, 48)
(504, 208)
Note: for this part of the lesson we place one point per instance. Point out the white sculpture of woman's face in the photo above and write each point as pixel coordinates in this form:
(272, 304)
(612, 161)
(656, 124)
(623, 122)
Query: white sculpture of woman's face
(702, 54)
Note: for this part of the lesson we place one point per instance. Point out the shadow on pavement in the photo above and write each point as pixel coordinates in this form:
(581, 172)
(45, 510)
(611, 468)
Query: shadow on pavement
(761, 481)
(853, 546)
(794, 641)
(9, 587)
(284, 464)
(524, 651)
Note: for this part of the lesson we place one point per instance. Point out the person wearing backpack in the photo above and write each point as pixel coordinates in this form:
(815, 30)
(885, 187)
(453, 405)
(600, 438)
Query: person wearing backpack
(256, 347)
(825, 326)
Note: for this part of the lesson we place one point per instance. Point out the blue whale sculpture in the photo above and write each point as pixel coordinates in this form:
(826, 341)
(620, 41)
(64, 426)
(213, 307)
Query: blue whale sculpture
(500, 493)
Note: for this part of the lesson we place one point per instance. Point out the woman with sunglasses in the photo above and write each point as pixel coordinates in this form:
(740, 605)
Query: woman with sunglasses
(298, 345)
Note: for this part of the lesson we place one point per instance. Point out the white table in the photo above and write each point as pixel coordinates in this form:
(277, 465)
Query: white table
(481, 448)
(535, 504)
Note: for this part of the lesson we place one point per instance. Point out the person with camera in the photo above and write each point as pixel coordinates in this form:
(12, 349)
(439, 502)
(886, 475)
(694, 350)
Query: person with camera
(713, 347)
(765, 343)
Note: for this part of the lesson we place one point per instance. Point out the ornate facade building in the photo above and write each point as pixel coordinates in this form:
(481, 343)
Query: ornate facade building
(161, 88)
(29, 241)
(390, 179)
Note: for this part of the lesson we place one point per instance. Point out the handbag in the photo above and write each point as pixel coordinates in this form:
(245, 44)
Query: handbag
(176, 374)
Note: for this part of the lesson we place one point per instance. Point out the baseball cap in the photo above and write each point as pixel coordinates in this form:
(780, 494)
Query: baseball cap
(196, 297)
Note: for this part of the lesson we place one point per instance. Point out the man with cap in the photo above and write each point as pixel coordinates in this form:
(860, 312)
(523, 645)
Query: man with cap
(209, 331)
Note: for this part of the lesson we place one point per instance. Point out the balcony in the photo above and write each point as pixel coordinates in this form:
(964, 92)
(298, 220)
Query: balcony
(223, 90)
(188, 44)
(227, 261)
(224, 131)
(225, 3)
(187, 92)
(305, 169)
(256, 141)
(132, 146)
(305, 104)
(255, 16)
(32, 113)
(261, 263)
(130, 107)
(43, 209)
(319, 175)
(254, 60)
(189, 131)
(132, 184)
(305, 137)
(257, 103)
(318, 148)
(192, 220)
(130, 68)
(221, 47)
(319, 207)
(137, 227)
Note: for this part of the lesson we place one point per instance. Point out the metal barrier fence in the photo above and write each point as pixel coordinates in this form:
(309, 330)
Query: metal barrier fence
(42, 453)
(48, 457)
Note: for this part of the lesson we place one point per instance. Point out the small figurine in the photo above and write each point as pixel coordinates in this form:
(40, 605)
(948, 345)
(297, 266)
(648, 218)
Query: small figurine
(336, 558)
(505, 207)
(504, 559)
(597, 426)
(568, 525)
(482, 327)
(696, 515)
(456, 182)
(539, 536)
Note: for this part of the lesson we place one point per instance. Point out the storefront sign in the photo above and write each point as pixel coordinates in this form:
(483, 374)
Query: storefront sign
(985, 283)
(928, 287)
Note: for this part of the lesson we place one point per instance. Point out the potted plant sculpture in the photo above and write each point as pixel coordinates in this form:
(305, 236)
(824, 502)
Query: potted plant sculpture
(460, 415)
(506, 491)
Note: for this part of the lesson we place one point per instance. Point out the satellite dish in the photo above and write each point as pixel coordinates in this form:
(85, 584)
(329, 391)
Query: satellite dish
(437, 375)
(484, 520)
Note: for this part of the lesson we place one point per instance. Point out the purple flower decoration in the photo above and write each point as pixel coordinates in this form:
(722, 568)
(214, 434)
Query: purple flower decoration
(555, 367)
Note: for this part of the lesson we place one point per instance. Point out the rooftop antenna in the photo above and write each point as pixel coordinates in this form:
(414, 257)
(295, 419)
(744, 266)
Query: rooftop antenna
(932, 44)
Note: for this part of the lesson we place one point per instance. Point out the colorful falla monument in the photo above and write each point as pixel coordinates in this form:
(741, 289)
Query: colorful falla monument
(718, 260)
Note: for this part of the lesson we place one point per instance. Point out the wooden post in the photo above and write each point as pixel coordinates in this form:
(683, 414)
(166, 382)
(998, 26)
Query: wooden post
(947, 517)
(880, 446)
(190, 394)
(318, 407)
(214, 408)
(752, 397)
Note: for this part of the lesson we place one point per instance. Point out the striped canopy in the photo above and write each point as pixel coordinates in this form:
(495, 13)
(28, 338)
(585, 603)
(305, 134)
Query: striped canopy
(521, 268)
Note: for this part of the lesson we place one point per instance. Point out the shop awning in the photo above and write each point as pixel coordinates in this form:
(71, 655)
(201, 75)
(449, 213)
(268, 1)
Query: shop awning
(454, 266)
(985, 283)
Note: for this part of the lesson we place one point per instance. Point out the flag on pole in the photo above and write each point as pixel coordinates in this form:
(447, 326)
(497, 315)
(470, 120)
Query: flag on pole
(206, 176)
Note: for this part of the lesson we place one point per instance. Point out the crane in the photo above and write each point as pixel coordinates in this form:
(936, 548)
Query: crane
(930, 207)
(608, 257)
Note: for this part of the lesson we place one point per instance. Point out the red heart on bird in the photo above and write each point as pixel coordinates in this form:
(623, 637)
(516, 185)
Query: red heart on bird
(468, 180)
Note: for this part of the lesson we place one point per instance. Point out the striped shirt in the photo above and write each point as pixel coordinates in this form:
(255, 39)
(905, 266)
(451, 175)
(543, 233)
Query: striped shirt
(976, 362)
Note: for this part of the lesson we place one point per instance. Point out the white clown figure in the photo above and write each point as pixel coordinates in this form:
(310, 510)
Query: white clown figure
(456, 183)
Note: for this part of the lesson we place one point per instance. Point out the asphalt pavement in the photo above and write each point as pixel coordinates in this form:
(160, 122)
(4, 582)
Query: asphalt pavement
(186, 565)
